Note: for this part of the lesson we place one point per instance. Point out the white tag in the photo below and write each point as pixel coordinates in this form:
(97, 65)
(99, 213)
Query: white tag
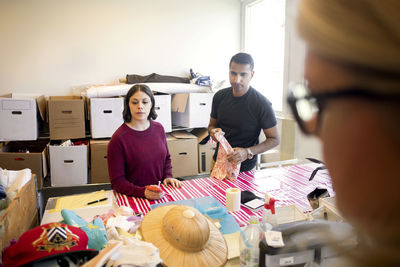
(255, 203)
(286, 261)
(274, 239)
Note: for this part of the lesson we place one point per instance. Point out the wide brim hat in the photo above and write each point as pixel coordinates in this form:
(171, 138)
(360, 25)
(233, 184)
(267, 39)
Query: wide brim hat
(184, 237)
(46, 242)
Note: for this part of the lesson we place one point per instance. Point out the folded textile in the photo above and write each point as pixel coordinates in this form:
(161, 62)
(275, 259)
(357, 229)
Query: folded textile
(155, 78)
(199, 79)
(224, 169)
(14, 180)
(136, 253)
(122, 89)
(95, 229)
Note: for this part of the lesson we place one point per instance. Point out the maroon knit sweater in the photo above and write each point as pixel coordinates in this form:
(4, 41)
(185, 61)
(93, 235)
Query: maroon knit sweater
(138, 158)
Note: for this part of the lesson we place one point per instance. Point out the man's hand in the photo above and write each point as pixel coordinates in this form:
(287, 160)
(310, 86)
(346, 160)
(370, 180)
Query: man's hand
(214, 131)
(175, 183)
(238, 155)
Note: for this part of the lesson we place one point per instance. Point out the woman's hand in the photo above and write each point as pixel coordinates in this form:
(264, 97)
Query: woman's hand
(175, 183)
(152, 195)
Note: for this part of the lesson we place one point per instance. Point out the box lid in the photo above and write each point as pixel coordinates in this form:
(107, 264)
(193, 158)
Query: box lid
(65, 97)
(183, 135)
(99, 142)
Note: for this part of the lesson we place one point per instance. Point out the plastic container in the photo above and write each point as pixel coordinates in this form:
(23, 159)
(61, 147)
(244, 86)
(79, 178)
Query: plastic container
(249, 242)
(269, 219)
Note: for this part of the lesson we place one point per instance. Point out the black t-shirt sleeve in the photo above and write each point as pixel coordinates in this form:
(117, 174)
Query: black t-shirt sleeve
(267, 114)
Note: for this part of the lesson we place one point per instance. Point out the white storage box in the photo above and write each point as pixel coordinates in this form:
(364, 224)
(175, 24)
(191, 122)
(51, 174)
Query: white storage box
(191, 110)
(163, 110)
(68, 165)
(18, 116)
(105, 116)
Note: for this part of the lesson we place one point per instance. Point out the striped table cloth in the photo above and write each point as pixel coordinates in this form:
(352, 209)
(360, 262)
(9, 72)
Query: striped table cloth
(289, 185)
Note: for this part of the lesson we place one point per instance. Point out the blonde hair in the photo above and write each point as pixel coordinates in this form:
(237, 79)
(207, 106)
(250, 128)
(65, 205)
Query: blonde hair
(362, 35)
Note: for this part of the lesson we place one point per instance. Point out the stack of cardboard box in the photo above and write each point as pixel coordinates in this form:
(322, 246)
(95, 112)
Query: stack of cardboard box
(68, 117)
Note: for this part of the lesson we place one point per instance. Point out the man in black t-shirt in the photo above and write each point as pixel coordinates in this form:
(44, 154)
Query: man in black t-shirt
(241, 112)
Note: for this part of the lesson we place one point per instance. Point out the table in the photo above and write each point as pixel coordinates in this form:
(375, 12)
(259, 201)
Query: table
(87, 213)
(289, 185)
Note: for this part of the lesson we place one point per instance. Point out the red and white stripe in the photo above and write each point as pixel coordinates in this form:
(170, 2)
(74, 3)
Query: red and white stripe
(293, 190)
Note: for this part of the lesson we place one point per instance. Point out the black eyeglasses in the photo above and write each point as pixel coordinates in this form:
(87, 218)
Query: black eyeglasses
(308, 108)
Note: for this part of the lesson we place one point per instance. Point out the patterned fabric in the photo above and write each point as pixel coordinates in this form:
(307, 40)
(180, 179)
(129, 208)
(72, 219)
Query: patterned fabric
(288, 185)
(46, 242)
(223, 168)
(95, 229)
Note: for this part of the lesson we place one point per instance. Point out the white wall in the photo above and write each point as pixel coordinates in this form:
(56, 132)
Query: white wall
(55, 47)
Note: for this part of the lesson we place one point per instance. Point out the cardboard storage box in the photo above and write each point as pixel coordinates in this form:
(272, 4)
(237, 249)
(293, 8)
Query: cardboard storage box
(68, 165)
(98, 159)
(206, 149)
(105, 116)
(21, 215)
(182, 147)
(163, 109)
(191, 110)
(18, 155)
(19, 116)
(66, 117)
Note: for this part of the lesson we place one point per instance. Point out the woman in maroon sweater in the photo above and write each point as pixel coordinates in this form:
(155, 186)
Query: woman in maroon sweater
(138, 154)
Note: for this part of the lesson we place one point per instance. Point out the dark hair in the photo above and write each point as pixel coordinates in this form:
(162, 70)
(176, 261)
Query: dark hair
(242, 58)
(145, 89)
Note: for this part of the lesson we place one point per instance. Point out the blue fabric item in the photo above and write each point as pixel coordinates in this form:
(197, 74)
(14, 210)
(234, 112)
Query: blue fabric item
(95, 229)
(211, 207)
(192, 74)
(2, 192)
(203, 81)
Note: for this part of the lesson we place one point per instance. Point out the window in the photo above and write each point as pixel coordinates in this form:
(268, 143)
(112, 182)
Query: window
(264, 39)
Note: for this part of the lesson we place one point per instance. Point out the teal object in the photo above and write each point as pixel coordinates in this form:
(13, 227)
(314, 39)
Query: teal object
(95, 229)
(211, 207)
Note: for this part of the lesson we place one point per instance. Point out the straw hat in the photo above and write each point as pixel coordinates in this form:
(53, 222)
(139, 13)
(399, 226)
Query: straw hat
(184, 236)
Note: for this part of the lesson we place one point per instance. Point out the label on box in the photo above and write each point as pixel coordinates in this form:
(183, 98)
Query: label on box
(286, 261)
(274, 239)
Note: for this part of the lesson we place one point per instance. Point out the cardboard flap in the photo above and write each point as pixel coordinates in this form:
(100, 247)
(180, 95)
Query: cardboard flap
(66, 97)
(183, 135)
(41, 103)
(179, 102)
(201, 134)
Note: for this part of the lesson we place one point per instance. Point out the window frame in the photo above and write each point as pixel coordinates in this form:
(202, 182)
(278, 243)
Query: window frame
(289, 30)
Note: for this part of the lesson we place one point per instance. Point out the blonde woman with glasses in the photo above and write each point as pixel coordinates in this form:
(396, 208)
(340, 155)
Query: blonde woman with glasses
(352, 103)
